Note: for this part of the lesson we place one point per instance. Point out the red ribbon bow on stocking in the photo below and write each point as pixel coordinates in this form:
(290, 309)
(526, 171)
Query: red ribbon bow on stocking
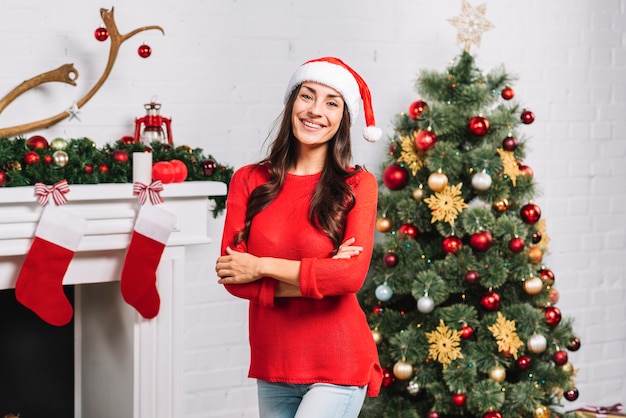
(151, 191)
(57, 191)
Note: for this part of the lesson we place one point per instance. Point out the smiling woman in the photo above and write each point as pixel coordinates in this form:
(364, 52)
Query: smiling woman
(301, 275)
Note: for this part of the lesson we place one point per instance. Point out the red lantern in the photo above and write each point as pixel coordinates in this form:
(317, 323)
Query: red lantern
(553, 316)
(479, 125)
(395, 177)
(164, 171)
(451, 244)
(37, 142)
(417, 109)
(31, 157)
(155, 127)
(408, 230)
(180, 171)
(481, 241)
(425, 139)
(530, 213)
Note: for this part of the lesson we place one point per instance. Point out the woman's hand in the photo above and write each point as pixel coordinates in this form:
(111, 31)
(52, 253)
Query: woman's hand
(237, 267)
(347, 250)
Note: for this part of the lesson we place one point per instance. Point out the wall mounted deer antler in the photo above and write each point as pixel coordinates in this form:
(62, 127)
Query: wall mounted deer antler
(68, 74)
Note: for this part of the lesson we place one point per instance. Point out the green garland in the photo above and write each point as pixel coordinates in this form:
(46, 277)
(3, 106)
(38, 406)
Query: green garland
(26, 162)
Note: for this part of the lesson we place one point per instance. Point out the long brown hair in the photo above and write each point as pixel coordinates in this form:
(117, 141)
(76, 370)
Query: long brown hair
(333, 197)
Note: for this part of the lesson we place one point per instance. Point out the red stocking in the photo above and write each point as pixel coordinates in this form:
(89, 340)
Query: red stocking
(138, 283)
(39, 284)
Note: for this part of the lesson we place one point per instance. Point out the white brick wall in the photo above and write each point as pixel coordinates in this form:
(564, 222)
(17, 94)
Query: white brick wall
(220, 71)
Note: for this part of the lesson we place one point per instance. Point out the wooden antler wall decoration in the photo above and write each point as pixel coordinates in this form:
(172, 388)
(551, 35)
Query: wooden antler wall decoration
(68, 74)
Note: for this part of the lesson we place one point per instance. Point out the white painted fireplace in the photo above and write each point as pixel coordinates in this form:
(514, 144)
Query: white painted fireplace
(125, 366)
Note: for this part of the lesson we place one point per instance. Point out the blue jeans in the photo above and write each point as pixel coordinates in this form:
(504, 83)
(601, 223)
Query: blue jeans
(317, 400)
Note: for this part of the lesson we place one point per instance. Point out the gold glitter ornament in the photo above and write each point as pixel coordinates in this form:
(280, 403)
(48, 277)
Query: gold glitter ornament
(497, 373)
(541, 412)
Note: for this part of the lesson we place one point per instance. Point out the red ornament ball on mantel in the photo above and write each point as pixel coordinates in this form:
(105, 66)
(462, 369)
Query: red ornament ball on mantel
(120, 155)
(37, 142)
(101, 34)
(209, 167)
(164, 171)
(144, 50)
(3, 178)
(527, 117)
(417, 109)
(180, 171)
(395, 177)
(31, 157)
(479, 125)
(104, 169)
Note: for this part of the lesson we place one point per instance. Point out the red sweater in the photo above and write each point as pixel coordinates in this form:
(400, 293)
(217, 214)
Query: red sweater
(323, 336)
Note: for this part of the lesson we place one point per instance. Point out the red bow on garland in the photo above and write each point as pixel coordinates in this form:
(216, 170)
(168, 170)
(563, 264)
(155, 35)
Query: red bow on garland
(151, 191)
(58, 191)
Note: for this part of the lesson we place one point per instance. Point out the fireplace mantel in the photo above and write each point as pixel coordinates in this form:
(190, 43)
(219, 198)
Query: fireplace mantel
(126, 366)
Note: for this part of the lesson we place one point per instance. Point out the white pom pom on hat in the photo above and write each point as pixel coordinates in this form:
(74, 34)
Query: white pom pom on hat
(335, 73)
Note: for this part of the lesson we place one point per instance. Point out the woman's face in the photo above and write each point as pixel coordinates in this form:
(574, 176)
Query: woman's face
(316, 113)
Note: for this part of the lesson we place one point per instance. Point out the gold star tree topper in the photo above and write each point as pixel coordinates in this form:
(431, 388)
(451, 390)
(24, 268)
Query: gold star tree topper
(471, 24)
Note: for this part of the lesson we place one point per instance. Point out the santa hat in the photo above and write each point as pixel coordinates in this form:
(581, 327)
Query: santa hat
(334, 73)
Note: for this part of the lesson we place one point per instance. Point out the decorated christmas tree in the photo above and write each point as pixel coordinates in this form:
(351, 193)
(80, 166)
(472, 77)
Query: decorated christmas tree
(459, 298)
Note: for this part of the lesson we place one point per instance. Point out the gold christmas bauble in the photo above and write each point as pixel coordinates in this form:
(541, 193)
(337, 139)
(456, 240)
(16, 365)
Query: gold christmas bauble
(501, 205)
(533, 286)
(541, 412)
(437, 181)
(378, 337)
(383, 224)
(567, 368)
(403, 370)
(535, 255)
(497, 373)
(418, 193)
(58, 144)
(60, 158)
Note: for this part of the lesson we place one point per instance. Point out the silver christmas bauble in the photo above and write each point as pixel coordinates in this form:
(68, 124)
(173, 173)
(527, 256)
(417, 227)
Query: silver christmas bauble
(481, 181)
(425, 304)
(384, 292)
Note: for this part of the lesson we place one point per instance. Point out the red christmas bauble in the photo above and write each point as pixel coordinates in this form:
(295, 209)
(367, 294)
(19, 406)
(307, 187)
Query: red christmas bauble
(120, 155)
(560, 357)
(552, 315)
(530, 213)
(523, 362)
(417, 109)
(88, 168)
(395, 177)
(479, 125)
(144, 50)
(451, 244)
(492, 414)
(47, 158)
(432, 414)
(536, 237)
(391, 259)
(574, 345)
(459, 399)
(509, 143)
(377, 309)
(466, 332)
(547, 276)
(525, 170)
(180, 171)
(571, 394)
(388, 377)
(527, 117)
(104, 169)
(472, 277)
(31, 157)
(37, 142)
(516, 245)
(491, 301)
(209, 167)
(408, 230)
(425, 139)
(3, 178)
(164, 171)
(101, 34)
(481, 241)
(507, 93)
(127, 139)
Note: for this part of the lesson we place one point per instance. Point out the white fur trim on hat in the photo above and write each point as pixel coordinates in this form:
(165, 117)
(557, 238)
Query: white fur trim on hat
(334, 73)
